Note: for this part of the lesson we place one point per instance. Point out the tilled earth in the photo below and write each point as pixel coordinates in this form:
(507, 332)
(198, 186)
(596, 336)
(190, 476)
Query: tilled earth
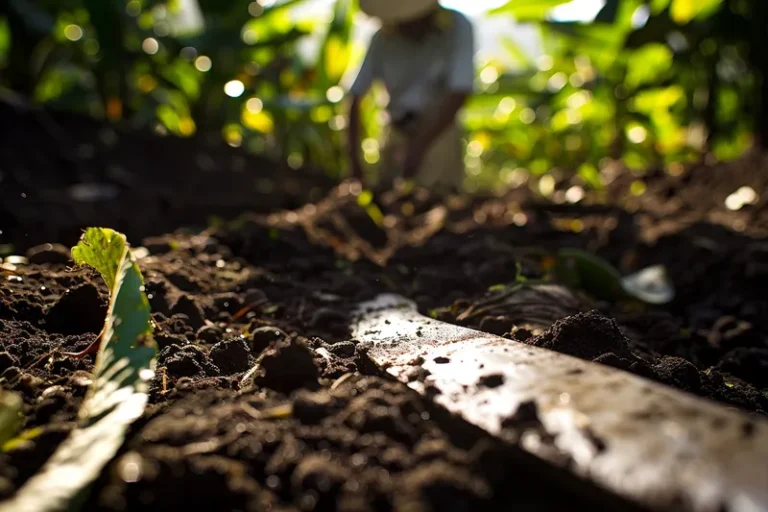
(319, 427)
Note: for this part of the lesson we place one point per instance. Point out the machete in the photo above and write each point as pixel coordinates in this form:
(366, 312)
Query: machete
(645, 442)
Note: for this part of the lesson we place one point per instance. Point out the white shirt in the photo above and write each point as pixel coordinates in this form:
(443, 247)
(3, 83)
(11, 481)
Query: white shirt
(417, 74)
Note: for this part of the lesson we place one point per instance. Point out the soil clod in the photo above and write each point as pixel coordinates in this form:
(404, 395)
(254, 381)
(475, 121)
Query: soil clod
(49, 254)
(78, 311)
(585, 335)
(263, 337)
(186, 305)
(287, 365)
(232, 356)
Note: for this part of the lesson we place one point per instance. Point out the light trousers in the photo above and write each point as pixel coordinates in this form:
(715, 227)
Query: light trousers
(442, 169)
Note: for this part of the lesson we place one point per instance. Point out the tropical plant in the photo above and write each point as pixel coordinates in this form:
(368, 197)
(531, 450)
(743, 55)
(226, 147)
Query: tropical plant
(649, 82)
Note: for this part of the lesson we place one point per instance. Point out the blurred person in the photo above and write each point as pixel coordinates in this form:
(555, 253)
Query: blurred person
(424, 56)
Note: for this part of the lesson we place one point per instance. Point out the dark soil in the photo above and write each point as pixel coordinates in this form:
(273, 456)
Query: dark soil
(316, 426)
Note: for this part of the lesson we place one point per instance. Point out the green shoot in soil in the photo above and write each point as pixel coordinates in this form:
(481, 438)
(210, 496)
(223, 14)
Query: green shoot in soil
(10, 415)
(118, 394)
(583, 270)
(591, 273)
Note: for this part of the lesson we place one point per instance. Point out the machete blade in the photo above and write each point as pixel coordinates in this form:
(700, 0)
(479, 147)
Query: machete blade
(643, 441)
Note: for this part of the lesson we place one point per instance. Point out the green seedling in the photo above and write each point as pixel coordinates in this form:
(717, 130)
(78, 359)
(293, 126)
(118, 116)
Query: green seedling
(583, 270)
(10, 415)
(118, 394)
(591, 273)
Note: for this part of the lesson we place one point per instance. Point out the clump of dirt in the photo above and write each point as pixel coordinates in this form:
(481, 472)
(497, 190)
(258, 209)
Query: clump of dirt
(748, 364)
(585, 335)
(286, 365)
(262, 337)
(186, 361)
(79, 310)
(232, 356)
(679, 373)
(595, 337)
(49, 254)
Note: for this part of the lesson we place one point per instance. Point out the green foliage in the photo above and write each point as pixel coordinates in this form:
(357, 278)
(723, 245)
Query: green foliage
(10, 415)
(647, 65)
(649, 82)
(528, 10)
(586, 271)
(684, 11)
(118, 394)
(127, 336)
(335, 49)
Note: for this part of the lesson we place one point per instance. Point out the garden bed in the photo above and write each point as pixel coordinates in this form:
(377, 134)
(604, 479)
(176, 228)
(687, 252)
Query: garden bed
(319, 427)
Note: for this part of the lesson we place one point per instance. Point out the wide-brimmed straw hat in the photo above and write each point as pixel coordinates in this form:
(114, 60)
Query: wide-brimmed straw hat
(396, 11)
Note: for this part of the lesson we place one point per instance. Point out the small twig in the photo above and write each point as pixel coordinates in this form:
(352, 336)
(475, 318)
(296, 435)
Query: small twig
(210, 446)
(245, 310)
(341, 380)
(41, 359)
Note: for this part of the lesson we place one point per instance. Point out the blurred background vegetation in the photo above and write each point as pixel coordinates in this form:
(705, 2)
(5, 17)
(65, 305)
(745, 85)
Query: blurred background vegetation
(652, 83)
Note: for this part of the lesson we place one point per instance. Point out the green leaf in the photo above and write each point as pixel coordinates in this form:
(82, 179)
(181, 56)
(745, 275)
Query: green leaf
(591, 176)
(580, 269)
(597, 35)
(609, 12)
(5, 40)
(684, 11)
(528, 10)
(279, 6)
(118, 394)
(659, 5)
(336, 50)
(516, 52)
(10, 415)
(647, 64)
(103, 250)
(654, 100)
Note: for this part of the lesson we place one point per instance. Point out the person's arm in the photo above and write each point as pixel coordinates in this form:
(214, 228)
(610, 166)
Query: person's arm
(446, 115)
(363, 81)
(461, 77)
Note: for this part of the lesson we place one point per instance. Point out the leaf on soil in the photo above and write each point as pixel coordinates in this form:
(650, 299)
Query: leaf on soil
(651, 285)
(10, 415)
(589, 272)
(118, 394)
(580, 269)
